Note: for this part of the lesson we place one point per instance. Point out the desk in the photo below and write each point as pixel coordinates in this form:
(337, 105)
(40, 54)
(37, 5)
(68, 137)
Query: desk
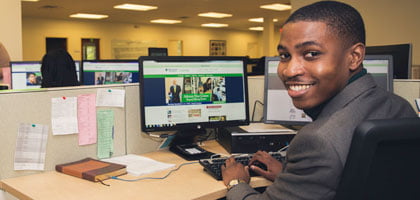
(190, 182)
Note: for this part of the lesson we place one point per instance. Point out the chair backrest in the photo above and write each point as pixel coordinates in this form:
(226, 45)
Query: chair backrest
(383, 161)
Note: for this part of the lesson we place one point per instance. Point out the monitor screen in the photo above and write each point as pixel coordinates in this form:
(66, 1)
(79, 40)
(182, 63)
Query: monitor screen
(191, 93)
(27, 74)
(100, 72)
(278, 106)
(381, 68)
(401, 54)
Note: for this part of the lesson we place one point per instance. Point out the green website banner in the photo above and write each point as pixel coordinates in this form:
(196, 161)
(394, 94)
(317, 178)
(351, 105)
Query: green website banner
(195, 98)
(191, 75)
(117, 70)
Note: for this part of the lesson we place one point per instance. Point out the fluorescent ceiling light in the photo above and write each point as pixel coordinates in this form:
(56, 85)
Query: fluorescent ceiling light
(30, 0)
(88, 16)
(277, 7)
(166, 21)
(260, 20)
(137, 7)
(214, 15)
(214, 25)
(258, 28)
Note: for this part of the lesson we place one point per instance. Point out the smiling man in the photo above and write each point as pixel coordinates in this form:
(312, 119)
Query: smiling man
(321, 50)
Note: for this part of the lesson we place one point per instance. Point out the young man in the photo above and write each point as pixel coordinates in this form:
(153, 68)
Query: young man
(321, 50)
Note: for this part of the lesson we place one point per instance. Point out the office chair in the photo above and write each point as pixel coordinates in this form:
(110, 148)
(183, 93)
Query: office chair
(383, 161)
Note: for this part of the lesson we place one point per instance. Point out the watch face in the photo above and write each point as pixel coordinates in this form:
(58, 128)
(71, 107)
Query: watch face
(233, 182)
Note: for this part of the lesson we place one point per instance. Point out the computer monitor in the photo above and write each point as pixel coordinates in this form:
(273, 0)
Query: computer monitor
(401, 54)
(27, 74)
(381, 68)
(278, 106)
(153, 51)
(100, 72)
(188, 94)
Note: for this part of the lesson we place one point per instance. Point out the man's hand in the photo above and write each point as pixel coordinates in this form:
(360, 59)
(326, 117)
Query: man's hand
(234, 170)
(274, 167)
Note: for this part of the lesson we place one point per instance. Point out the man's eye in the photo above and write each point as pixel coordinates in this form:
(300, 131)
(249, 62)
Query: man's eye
(312, 54)
(284, 56)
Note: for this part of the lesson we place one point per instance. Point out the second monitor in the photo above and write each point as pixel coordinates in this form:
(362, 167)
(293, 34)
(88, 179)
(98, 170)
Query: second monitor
(100, 72)
(278, 106)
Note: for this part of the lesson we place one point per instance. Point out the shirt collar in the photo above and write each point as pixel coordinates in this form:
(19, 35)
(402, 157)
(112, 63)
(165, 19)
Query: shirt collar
(315, 111)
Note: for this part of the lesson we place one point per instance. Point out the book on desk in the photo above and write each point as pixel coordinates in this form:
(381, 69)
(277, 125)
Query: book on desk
(92, 169)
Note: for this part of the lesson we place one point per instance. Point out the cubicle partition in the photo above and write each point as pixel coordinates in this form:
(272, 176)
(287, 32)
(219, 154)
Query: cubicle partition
(34, 107)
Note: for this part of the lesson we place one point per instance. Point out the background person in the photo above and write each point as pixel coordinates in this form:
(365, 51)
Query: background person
(58, 69)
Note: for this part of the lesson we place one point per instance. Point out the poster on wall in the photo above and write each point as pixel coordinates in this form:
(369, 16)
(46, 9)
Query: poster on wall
(132, 49)
(217, 47)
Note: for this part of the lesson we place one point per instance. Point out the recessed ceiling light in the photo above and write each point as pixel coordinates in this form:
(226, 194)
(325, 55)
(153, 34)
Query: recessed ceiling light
(166, 21)
(258, 28)
(260, 20)
(277, 7)
(137, 7)
(214, 15)
(88, 16)
(214, 25)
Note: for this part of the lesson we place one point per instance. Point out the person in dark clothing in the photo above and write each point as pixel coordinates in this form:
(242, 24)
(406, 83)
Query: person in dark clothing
(58, 69)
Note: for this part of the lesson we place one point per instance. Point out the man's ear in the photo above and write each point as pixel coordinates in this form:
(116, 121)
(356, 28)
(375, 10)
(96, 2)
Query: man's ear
(357, 55)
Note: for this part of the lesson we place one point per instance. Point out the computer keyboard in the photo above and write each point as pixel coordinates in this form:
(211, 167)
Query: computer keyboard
(213, 165)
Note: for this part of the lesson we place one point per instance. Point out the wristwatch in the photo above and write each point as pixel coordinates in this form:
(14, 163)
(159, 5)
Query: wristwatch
(233, 183)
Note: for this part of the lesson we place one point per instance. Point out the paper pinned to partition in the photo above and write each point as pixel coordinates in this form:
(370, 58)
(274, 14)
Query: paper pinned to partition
(31, 146)
(110, 97)
(139, 165)
(64, 115)
(105, 120)
(86, 114)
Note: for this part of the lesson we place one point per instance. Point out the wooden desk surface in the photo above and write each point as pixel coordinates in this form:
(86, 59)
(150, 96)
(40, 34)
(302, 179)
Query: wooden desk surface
(190, 182)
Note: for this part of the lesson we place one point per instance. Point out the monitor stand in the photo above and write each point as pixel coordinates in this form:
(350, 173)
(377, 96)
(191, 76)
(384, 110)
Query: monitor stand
(184, 145)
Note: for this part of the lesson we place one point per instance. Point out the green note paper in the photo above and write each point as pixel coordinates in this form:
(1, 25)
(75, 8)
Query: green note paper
(105, 119)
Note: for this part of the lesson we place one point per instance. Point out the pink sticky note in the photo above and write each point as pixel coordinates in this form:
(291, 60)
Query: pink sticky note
(6, 76)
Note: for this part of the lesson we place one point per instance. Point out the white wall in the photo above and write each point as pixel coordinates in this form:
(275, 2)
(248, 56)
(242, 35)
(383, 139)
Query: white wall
(11, 27)
(195, 40)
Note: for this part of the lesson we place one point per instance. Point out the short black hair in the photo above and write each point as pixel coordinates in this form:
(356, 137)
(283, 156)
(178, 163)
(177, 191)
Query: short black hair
(344, 20)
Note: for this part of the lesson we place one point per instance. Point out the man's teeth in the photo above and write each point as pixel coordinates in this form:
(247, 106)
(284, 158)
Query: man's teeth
(299, 87)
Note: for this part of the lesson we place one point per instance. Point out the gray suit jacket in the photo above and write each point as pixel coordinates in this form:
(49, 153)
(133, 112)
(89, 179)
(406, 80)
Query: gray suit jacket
(317, 154)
